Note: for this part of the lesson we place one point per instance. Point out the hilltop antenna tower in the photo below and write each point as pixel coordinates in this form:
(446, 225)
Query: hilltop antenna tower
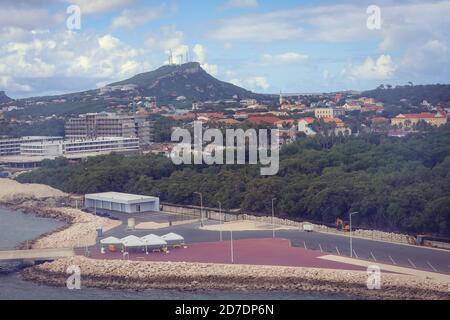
(170, 57)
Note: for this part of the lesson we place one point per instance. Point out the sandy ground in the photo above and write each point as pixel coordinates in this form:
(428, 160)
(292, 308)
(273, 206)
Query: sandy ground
(245, 226)
(81, 232)
(151, 226)
(11, 189)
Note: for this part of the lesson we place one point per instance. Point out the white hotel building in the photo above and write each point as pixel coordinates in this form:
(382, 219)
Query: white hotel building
(85, 146)
(32, 152)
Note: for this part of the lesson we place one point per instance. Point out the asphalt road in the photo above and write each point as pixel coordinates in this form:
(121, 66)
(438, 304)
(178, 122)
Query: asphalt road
(383, 252)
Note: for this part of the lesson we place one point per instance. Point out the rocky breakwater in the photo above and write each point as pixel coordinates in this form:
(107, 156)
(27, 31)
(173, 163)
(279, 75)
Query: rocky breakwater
(135, 275)
(44, 201)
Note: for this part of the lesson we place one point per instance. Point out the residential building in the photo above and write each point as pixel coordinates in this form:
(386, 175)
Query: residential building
(408, 120)
(352, 106)
(320, 113)
(97, 125)
(304, 126)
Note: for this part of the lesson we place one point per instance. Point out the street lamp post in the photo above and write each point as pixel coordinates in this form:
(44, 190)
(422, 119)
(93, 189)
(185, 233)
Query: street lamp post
(221, 218)
(273, 218)
(201, 207)
(351, 236)
(231, 244)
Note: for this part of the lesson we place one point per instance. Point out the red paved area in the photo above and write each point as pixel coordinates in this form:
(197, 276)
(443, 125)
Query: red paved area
(273, 252)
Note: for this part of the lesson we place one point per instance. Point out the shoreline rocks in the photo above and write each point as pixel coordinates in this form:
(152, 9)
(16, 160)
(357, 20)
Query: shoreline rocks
(79, 230)
(135, 275)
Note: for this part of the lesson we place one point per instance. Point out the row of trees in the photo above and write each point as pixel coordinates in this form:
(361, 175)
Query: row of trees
(394, 184)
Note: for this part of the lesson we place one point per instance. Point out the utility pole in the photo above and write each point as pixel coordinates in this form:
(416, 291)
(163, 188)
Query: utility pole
(221, 219)
(273, 218)
(201, 207)
(351, 237)
(232, 249)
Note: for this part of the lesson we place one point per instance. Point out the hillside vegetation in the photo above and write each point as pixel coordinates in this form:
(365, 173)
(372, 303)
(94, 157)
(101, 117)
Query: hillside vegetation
(394, 184)
(434, 93)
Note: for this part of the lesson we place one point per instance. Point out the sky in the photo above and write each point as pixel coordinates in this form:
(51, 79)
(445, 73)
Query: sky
(267, 46)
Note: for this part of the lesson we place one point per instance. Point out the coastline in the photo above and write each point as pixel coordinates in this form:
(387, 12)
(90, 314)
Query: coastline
(80, 230)
(136, 275)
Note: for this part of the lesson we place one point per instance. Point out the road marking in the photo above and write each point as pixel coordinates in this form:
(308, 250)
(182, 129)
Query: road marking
(305, 245)
(338, 251)
(320, 248)
(434, 269)
(393, 262)
(413, 265)
(375, 259)
(354, 252)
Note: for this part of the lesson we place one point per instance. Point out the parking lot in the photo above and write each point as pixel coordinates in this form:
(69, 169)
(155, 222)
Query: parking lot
(433, 260)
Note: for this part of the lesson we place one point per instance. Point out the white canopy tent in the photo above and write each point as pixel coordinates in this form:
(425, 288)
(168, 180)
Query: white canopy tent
(132, 242)
(152, 241)
(173, 239)
(111, 241)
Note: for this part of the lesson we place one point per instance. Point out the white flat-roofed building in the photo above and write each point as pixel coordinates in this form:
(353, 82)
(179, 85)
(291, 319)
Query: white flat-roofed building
(112, 144)
(42, 148)
(32, 154)
(68, 147)
(121, 202)
(10, 146)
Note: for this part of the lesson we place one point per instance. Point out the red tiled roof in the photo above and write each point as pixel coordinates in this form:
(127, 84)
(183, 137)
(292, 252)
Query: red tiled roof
(211, 115)
(379, 120)
(184, 117)
(269, 120)
(309, 120)
(423, 115)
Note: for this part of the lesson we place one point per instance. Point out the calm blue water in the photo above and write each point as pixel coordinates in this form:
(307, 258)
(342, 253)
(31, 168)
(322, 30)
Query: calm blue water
(16, 227)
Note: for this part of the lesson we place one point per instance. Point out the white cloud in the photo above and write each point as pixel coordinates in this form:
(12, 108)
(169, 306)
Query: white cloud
(240, 4)
(8, 84)
(26, 17)
(169, 38)
(200, 53)
(108, 42)
(200, 56)
(212, 69)
(133, 18)
(71, 57)
(100, 6)
(381, 69)
(257, 83)
(283, 58)
(255, 30)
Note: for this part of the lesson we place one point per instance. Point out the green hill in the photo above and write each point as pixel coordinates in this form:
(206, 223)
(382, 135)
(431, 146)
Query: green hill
(189, 80)
(4, 98)
(434, 93)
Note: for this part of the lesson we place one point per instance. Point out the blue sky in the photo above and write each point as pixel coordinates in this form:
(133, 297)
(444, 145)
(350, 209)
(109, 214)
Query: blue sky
(263, 45)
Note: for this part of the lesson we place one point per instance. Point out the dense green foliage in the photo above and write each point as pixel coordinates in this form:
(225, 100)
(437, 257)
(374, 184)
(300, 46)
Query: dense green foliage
(69, 108)
(434, 94)
(51, 127)
(394, 184)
